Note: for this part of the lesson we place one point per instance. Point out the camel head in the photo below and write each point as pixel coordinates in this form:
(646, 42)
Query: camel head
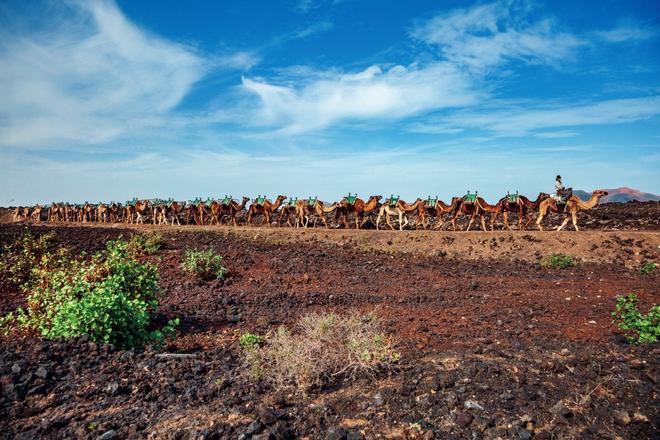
(280, 198)
(599, 193)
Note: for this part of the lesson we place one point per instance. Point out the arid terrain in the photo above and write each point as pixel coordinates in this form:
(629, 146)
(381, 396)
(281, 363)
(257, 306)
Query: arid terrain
(493, 344)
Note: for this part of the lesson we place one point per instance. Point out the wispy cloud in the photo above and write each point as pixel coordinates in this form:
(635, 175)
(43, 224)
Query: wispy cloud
(628, 32)
(372, 93)
(487, 36)
(522, 121)
(318, 27)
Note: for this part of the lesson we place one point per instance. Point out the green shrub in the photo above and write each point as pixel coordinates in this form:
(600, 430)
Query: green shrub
(638, 328)
(204, 264)
(325, 348)
(648, 267)
(18, 258)
(559, 261)
(249, 340)
(110, 298)
(146, 243)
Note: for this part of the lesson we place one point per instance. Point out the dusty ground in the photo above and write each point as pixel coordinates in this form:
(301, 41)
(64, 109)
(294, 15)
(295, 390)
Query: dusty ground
(478, 319)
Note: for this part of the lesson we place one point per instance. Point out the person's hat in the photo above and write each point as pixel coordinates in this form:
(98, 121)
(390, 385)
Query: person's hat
(558, 177)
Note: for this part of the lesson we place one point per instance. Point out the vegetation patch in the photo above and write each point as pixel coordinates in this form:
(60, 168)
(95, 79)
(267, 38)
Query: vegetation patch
(323, 349)
(18, 258)
(250, 340)
(648, 267)
(204, 264)
(111, 298)
(559, 261)
(146, 243)
(638, 328)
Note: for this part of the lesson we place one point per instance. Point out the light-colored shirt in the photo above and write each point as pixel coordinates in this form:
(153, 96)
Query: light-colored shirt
(558, 186)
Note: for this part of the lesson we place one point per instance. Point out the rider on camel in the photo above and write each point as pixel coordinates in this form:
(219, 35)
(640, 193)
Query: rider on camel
(565, 193)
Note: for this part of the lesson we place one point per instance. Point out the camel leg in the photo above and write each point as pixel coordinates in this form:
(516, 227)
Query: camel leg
(574, 215)
(483, 222)
(380, 214)
(566, 219)
(470, 222)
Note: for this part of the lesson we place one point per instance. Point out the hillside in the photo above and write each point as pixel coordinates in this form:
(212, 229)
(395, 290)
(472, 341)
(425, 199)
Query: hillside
(621, 195)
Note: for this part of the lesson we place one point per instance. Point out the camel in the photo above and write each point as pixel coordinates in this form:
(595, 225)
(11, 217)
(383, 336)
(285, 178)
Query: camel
(233, 208)
(114, 210)
(16, 214)
(36, 213)
(289, 211)
(400, 208)
(469, 204)
(102, 213)
(200, 210)
(573, 205)
(88, 213)
(304, 210)
(54, 212)
(359, 207)
(172, 211)
(521, 206)
(263, 206)
(141, 207)
(436, 208)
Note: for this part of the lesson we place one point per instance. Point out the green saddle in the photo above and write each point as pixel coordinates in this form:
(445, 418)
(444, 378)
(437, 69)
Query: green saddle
(260, 199)
(512, 198)
(350, 199)
(392, 201)
(431, 202)
(312, 201)
(208, 203)
(471, 198)
(292, 201)
(227, 200)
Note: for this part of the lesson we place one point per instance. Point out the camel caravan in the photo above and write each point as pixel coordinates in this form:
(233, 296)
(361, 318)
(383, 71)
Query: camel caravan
(351, 211)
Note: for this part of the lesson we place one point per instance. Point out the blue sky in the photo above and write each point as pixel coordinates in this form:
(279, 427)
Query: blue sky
(103, 100)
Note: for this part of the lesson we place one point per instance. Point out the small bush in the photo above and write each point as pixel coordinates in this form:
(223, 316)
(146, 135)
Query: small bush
(325, 348)
(638, 328)
(18, 259)
(648, 267)
(204, 264)
(559, 261)
(110, 298)
(250, 340)
(146, 243)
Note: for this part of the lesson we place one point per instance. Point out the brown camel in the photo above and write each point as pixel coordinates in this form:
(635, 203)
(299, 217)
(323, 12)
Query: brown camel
(172, 211)
(114, 210)
(573, 205)
(288, 212)
(54, 212)
(263, 206)
(469, 205)
(102, 213)
(36, 213)
(233, 208)
(436, 208)
(16, 214)
(517, 204)
(318, 210)
(529, 206)
(359, 207)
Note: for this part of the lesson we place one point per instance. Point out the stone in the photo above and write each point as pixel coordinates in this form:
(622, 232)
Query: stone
(524, 434)
(336, 433)
(254, 427)
(463, 419)
(108, 435)
(41, 373)
(622, 418)
(560, 410)
(471, 404)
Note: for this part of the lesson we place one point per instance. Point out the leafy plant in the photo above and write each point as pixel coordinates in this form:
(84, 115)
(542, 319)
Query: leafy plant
(18, 258)
(638, 328)
(559, 261)
(110, 298)
(204, 264)
(648, 267)
(325, 348)
(146, 243)
(250, 340)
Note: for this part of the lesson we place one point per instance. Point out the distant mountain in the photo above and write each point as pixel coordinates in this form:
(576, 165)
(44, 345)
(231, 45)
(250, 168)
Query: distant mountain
(621, 195)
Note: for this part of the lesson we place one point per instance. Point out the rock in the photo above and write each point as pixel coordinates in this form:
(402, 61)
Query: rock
(471, 404)
(463, 419)
(108, 435)
(622, 418)
(254, 427)
(560, 410)
(16, 369)
(41, 373)
(640, 418)
(336, 433)
(112, 388)
(267, 416)
(524, 434)
(378, 399)
(355, 435)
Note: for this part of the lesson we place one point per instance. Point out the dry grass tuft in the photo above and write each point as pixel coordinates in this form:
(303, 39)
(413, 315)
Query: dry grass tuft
(324, 348)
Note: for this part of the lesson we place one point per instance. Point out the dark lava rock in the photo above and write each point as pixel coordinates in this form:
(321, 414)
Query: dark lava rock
(41, 373)
(463, 419)
(254, 427)
(108, 435)
(336, 434)
(524, 434)
(560, 410)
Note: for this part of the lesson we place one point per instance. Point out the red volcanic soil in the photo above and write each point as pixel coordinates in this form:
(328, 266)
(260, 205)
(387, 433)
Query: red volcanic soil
(493, 344)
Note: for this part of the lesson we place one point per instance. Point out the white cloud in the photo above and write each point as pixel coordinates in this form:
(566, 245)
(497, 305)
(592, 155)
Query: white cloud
(486, 36)
(318, 27)
(372, 93)
(88, 76)
(627, 32)
(522, 121)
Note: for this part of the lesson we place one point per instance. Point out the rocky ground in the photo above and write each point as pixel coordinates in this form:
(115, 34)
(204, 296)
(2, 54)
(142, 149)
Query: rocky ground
(493, 344)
